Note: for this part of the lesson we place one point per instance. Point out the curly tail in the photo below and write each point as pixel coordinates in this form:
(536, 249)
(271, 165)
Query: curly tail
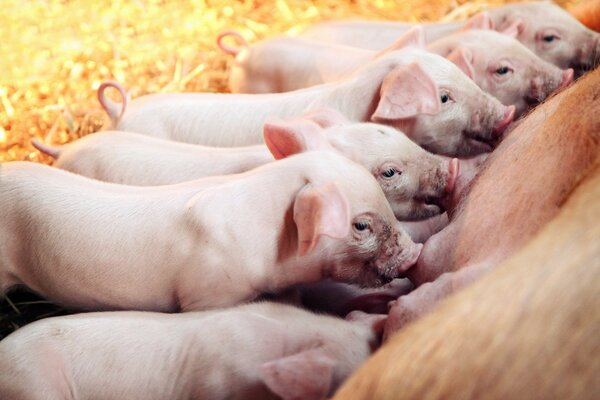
(231, 50)
(53, 152)
(114, 110)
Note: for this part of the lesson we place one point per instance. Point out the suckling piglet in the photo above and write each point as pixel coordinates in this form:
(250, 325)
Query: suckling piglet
(497, 63)
(422, 94)
(256, 351)
(208, 243)
(415, 182)
(545, 28)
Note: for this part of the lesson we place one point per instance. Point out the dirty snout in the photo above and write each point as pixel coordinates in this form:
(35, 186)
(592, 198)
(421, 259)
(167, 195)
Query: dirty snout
(396, 255)
(437, 186)
(542, 88)
(486, 127)
(588, 55)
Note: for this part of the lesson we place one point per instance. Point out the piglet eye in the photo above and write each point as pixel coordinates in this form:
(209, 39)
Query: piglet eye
(444, 98)
(549, 38)
(361, 226)
(388, 173)
(503, 70)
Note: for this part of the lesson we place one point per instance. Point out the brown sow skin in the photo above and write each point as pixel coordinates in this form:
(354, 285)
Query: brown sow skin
(528, 330)
(522, 185)
(588, 13)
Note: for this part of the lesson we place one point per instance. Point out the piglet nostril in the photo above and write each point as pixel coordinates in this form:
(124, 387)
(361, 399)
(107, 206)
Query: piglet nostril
(507, 119)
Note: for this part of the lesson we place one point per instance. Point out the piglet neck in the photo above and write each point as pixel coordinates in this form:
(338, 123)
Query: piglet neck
(298, 270)
(356, 97)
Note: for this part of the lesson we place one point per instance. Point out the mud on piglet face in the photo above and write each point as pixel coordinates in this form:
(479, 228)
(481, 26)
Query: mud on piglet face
(376, 251)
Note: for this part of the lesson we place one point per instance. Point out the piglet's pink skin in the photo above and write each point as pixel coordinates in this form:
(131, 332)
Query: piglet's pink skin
(256, 351)
(415, 182)
(503, 67)
(545, 28)
(95, 245)
(446, 112)
(497, 63)
(133, 159)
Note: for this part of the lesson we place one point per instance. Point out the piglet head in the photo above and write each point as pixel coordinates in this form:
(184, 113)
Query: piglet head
(416, 184)
(413, 180)
(511, 72)
(350, 228)
(376, 251)
(552, 33)
(440, 108)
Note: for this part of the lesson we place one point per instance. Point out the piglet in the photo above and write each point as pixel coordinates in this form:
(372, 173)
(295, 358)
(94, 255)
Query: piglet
(445, 112)
(212, 242)
(415, 182)
(503, 67)
(550, 32)
(545, 28)
(497, 63)
(256, 351)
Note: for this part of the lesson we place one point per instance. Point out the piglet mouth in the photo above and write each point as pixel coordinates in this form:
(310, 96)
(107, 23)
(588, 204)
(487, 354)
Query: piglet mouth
(567, 79)
(480, 142)
(434, 203)
(406, 265)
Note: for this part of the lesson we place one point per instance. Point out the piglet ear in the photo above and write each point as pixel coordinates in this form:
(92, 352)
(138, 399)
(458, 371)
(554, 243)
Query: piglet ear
(305, 375)
(463, 59)
(514, 29)
(481, 20)
(284, 139)
(320, 210)
(327, 117)
(406, 92)
(414, 37)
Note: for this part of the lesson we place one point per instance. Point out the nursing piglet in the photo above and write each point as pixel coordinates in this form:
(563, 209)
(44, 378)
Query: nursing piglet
(497, 63)
(415, 182)
(213, 242)
(545, 28)
(422, 94)
(256, 351)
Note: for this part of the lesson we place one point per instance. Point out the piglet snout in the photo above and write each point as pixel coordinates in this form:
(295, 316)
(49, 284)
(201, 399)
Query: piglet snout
(411, 260)
(507, 119)
(453, 170)
(567, 78)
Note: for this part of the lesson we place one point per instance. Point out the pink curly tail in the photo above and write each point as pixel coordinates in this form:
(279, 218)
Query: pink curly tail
(53, 152)
(228, 49)
(114, 110)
